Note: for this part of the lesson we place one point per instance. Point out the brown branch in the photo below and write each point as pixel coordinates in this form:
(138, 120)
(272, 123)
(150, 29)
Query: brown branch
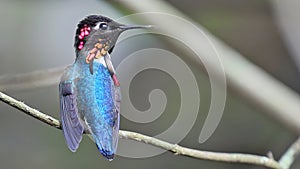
(284, 163)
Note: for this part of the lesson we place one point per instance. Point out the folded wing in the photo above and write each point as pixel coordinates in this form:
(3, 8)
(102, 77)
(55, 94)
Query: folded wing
(71, 125)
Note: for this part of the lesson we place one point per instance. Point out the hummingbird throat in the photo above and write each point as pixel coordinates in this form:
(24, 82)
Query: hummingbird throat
(100, 49)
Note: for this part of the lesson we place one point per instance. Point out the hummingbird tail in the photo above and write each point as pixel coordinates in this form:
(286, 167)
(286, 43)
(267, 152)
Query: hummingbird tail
(107, 154)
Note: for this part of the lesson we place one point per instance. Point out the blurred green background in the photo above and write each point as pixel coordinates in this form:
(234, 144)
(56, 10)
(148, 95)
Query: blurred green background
(38, 35)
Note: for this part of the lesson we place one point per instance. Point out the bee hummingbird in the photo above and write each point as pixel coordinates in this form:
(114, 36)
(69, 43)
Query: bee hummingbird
(89, 89)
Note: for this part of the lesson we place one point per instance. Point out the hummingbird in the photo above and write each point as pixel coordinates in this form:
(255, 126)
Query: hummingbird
(89, 90)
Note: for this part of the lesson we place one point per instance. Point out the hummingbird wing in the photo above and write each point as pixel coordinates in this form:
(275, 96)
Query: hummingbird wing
(116, 97)
(72, 128)
(117, 102)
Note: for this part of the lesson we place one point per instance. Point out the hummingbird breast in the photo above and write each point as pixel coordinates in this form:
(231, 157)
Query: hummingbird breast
(98, 105)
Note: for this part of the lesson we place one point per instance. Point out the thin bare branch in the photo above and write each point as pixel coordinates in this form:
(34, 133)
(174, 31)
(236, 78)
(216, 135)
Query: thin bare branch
(204, 155)
(30, 111)
(284, 163)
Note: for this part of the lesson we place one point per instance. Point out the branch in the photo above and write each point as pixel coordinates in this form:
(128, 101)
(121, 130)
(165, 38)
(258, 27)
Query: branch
(30, 111)
(284, 163)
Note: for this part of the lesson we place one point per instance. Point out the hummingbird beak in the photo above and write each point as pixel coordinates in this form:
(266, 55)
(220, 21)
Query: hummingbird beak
(127, 27)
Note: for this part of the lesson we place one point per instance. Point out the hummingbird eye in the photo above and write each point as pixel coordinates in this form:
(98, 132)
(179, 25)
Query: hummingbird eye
(103, 26)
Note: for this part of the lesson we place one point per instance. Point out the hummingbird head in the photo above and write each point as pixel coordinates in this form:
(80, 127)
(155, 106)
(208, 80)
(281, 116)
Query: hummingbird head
(98, 35)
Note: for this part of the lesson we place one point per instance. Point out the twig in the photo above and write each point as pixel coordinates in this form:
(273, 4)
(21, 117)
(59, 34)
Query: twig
(284, 163)
(30, 111)
(205, 155)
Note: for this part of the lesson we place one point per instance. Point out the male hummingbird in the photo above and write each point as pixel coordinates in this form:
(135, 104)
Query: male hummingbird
(89, 90)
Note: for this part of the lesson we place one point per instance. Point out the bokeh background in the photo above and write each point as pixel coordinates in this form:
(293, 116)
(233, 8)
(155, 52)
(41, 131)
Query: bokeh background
(38, 35)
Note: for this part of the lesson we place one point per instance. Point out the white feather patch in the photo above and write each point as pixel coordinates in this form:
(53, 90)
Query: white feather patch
(101, 60)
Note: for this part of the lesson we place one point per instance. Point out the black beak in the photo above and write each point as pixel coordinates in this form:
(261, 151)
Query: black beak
(127, 27)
